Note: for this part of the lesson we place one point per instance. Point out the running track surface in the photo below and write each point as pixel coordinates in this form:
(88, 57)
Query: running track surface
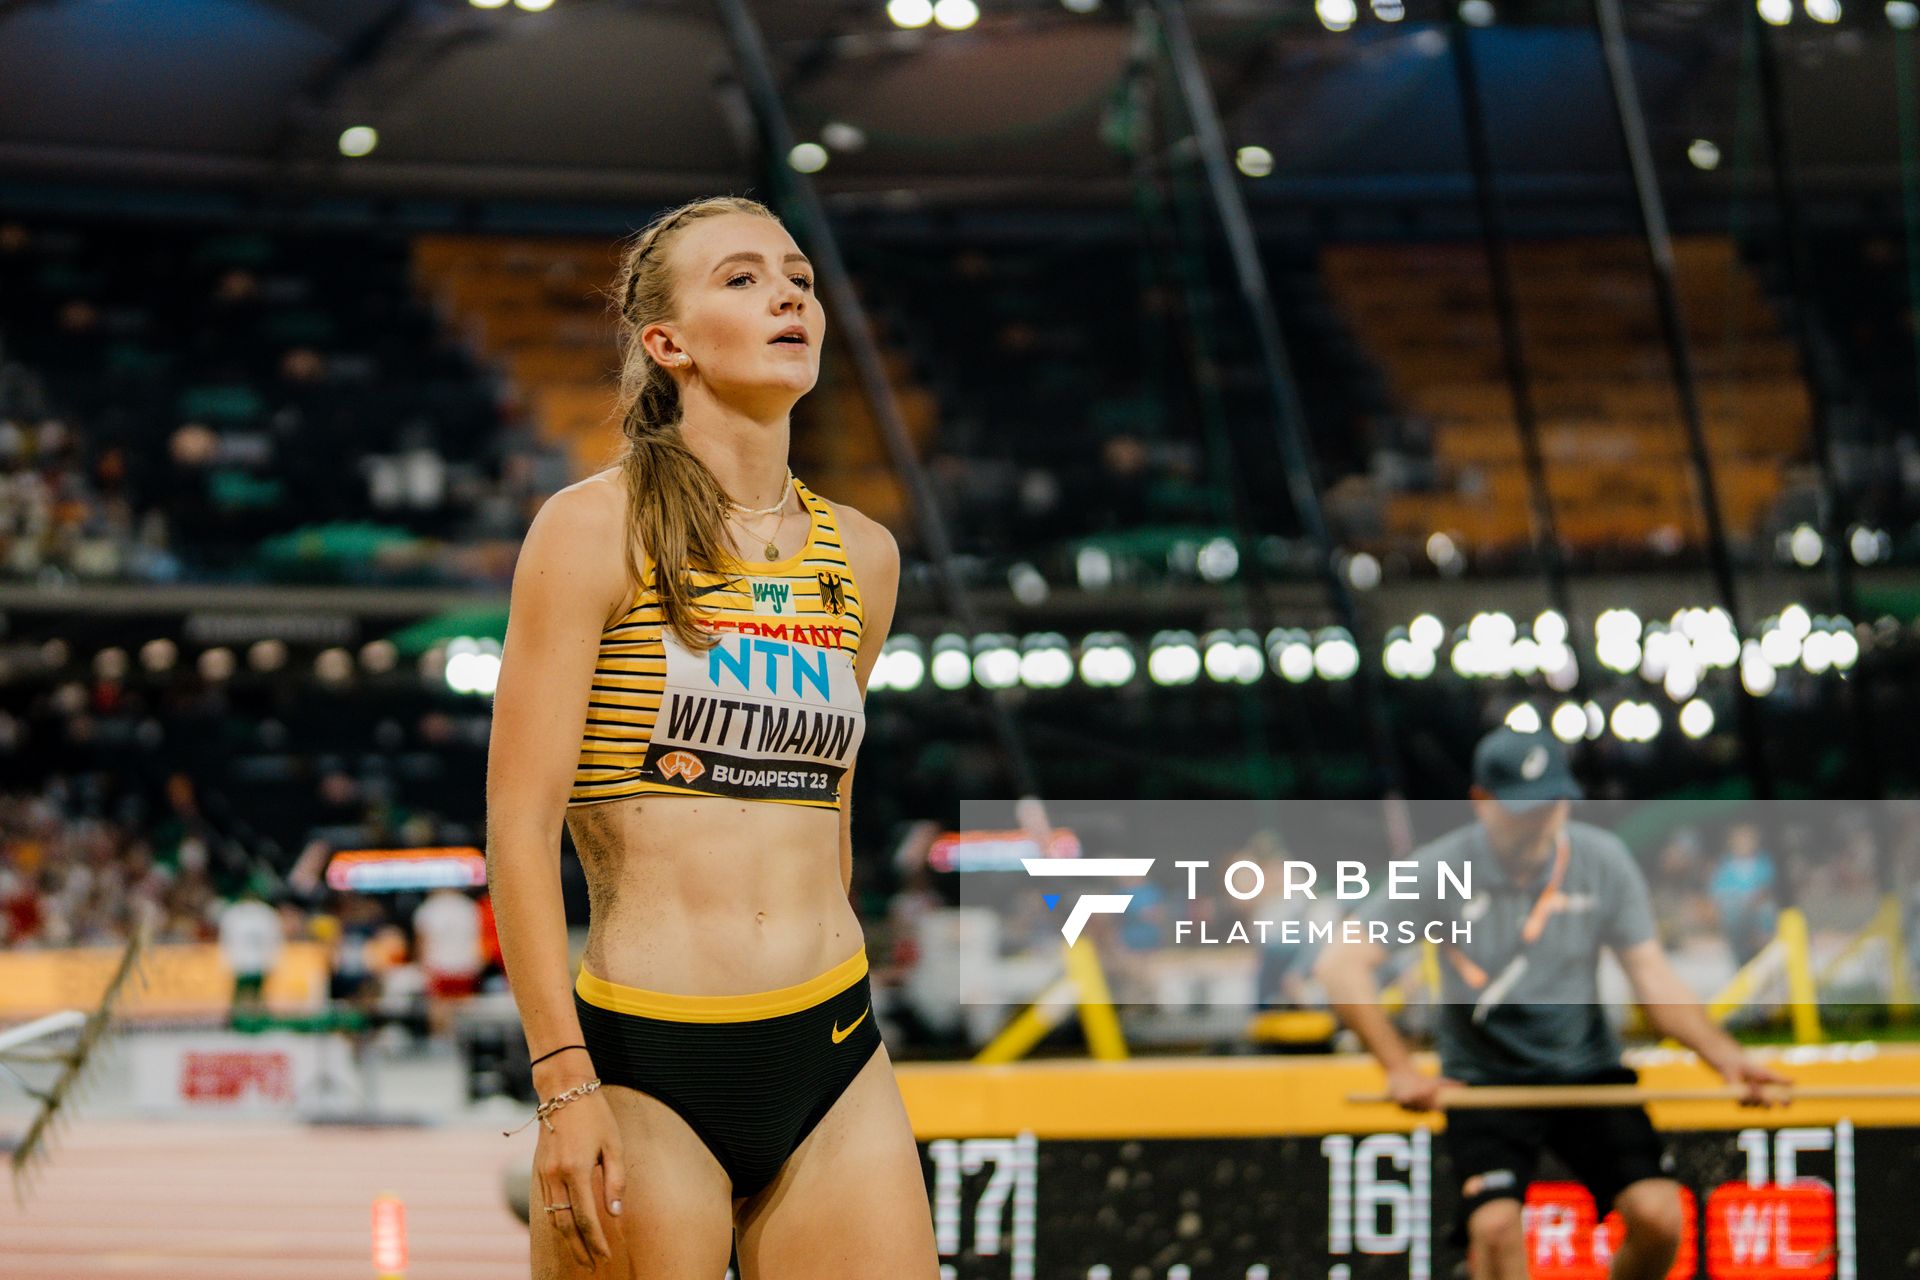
(197, 1201)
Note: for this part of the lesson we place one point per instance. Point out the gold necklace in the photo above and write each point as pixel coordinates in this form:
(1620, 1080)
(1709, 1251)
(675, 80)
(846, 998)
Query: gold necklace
(772, 551)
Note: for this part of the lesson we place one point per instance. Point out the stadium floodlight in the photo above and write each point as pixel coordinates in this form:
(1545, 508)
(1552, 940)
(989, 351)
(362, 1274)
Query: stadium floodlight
(1363, 571)
(1634, 721)
(1218, 559)
(841, 136)
(1335, 655)
(535, 6)
(1173, 658)
(1231, 657)
(1294, 661)
(952, 668)
(358, 140)
(1846, 649)
(1704, 154)
(1827, 11)
(1550, 628)
(956, 15)
(1476, 13)
(1780, 647)
(1045, 661)
(1806, 546)
(1657, 651)
(1427, 631)
(1870, 546)
(1682, 678)
(1336, 15)
(1618, 622)
(1080, 6)
(1776, 13)
(902, 664)
(1569, 722)
(1902, 15)
(488, 4)
(910, 14)
(1757, 674)
(1816, 652)
(1393, 659)
(996, 663)
(1106, 660)
(1443, 551)
(1618, 653)
(216, 665)
(1465, 659)
(1495, 629)
(1525, 653)
(1254, 162)
(1093, 567)
(1696, 719)
(472, 666)
(1796, 621)
(1524, 717)
(1596, 720)
(807, 157)
(1028, 584)
(1389, 10)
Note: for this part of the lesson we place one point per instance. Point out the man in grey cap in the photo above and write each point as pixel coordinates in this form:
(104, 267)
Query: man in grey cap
(1520, 1005)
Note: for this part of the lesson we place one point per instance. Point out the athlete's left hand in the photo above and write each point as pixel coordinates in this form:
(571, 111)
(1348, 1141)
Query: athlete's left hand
(1764, 1086)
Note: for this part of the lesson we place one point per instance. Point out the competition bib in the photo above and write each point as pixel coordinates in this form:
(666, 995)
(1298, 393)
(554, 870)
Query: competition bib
(771, 712)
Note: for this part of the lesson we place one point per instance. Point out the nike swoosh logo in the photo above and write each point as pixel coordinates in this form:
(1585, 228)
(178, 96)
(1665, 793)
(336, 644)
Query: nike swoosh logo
(713, 587)
(839, 1035)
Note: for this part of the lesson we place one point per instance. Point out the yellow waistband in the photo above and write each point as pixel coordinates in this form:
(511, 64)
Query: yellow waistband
(599, 992)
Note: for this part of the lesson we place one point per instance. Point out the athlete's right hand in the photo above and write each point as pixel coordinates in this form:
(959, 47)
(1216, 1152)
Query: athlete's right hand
(584, 1136)
(1415, 1090)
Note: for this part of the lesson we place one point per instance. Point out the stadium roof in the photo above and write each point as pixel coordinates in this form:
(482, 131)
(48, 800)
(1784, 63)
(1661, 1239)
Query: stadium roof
(635, 100)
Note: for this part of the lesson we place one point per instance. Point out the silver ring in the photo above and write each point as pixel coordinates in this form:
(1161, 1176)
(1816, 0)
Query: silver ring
(552, 1207)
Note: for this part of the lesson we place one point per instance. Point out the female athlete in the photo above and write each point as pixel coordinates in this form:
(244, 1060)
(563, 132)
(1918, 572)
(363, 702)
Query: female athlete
(685, 666)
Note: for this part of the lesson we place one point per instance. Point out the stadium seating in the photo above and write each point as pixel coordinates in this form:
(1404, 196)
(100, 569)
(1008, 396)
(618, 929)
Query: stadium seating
(1609, 420)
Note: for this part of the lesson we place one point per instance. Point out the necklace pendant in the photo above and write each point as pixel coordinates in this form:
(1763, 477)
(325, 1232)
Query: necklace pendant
(773, 552)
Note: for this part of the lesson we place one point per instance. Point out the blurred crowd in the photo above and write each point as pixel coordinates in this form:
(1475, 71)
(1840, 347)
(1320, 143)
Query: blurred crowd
(205, 403)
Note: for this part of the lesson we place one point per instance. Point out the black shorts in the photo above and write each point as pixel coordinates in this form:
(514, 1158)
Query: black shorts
(751, 1074)
(1608, 1149)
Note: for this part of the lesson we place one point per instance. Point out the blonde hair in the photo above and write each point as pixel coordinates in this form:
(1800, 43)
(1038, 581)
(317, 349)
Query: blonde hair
(674, 503)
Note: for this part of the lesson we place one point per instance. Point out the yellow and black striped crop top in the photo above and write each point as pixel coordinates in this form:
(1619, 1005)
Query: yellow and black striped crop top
(771, 712)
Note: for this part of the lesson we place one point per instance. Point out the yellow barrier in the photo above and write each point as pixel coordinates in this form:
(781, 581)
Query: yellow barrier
(176, 981)
(1244, 1097)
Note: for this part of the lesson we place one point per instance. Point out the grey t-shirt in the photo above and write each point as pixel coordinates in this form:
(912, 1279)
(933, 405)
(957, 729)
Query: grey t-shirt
(1544, 1023)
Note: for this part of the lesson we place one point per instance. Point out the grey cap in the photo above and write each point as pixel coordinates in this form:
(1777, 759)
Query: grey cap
(1523, 770)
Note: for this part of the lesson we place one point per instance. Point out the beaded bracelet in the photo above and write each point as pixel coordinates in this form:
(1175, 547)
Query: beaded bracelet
(556, 1102)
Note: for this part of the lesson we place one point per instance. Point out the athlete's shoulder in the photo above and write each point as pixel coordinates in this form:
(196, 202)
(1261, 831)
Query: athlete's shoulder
(595, 505)
(870, 546)
(575, 539)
